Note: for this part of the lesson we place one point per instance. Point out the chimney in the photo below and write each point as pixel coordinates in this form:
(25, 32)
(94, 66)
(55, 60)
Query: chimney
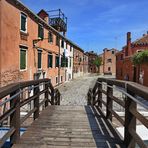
(44, 15)
(129, 52)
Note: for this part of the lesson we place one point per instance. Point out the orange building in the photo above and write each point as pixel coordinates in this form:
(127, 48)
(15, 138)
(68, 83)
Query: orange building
(85, 61)
(126, 70)
(78, 62)
(108, 66)
(30, 48)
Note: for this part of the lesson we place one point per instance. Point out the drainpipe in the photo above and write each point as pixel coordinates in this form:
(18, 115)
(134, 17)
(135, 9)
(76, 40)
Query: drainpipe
(103, 61)
(73, 63)
(59, 63)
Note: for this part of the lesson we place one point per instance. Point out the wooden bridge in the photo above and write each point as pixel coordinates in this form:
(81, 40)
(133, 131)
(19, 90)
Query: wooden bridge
(58, 126)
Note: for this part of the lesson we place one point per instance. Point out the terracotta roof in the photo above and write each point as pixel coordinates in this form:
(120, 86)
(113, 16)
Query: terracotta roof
(141, 41)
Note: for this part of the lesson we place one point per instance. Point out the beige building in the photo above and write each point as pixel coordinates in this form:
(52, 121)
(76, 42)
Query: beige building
(108, 66)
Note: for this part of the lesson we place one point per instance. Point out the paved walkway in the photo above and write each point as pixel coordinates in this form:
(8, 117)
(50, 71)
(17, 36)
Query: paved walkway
(75, 91)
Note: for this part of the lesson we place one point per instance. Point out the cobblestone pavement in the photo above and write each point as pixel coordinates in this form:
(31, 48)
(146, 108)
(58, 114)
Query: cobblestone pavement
(75, 91)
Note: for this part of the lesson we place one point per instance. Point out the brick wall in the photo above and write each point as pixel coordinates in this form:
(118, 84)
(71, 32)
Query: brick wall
(128, 70)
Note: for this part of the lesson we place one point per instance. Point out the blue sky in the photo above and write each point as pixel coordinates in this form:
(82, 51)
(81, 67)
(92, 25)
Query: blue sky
(98, 24)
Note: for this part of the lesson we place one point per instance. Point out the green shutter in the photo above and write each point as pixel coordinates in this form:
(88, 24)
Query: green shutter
(70, 62)
(49, 60)
(57, 40)
(57, 61)
(39, 59)
(67, 62)
(40, 31)
(22, 59)
(62, 61)
(50, 37)
(23, 23)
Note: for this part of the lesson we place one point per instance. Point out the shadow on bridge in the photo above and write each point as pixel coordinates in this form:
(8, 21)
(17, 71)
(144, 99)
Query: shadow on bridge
(103, 133)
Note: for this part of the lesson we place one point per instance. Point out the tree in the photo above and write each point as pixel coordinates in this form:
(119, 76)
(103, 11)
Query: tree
(140, 58)
(98, 62)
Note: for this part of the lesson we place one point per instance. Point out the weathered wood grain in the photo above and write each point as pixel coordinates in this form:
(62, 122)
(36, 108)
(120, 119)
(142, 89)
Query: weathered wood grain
(69, 127)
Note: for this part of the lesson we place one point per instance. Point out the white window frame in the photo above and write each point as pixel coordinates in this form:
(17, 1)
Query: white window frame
(23, 14)
(25, 49)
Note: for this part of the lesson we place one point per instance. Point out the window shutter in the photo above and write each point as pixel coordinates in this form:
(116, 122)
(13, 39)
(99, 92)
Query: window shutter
(22, 59)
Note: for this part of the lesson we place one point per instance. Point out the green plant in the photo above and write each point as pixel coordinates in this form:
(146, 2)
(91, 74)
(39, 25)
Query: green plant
(140, 58)
(97, 62)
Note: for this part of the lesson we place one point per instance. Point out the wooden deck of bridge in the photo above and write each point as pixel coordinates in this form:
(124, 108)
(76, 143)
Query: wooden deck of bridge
(70, 127)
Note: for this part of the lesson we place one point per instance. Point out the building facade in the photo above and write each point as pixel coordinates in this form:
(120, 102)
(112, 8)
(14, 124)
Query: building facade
(30, 48)
(125, 69)
(108, 66)
(78, 62)
(85, 63)
(66, 62)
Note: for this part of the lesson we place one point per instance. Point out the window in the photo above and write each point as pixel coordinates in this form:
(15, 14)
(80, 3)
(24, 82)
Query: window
(70, 48)
(62, 61)
(57, 61)
(57, 40)
(113, 52)
(23, 22)
(66, 45)
(40, 31)
(109, 60)
(50, 60)
(62, 43)
(56, 80)
(39, 59)
(66, 62)
(23, 58)
(70, 63)
(61, 78)
(109, 69)
(50, 37)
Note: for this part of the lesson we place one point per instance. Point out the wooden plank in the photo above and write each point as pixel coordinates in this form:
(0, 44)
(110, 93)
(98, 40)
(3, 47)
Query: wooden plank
(69, 126)
(137, 138)
(140, 117)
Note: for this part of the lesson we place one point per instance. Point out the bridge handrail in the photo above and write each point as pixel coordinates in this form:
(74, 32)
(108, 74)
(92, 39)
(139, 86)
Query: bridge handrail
(13, 94)
(135, 94)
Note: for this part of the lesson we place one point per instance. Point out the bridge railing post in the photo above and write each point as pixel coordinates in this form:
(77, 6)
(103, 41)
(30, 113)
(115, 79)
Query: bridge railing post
(99, 94)
(89, 97)
(15, 117)
(55, 97)
(93, 94)
(52, 96)
(36, 101)
(59, 98)
(46, 95)
(109, 106)
(130, 120)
